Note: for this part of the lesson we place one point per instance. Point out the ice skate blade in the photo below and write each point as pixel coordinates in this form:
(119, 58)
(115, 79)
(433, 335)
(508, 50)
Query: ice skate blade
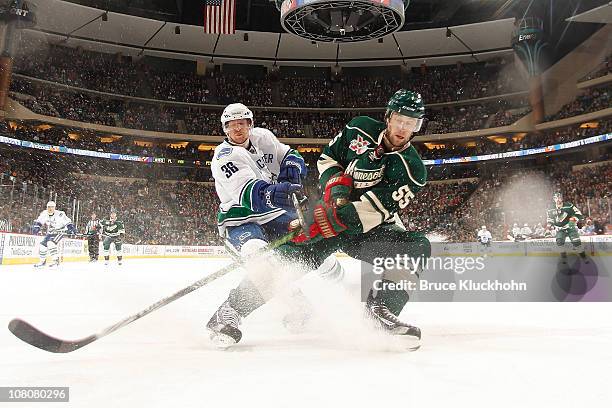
(413, 342)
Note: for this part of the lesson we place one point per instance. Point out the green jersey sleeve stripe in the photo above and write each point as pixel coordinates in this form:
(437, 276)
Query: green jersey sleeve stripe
(369, 216)
(378, 205)
(325, 162)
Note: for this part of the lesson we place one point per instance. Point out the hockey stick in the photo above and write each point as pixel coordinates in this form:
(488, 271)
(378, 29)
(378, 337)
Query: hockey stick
(31, 335)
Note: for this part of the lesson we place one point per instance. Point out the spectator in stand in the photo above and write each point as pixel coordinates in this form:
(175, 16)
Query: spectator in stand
(591, 100)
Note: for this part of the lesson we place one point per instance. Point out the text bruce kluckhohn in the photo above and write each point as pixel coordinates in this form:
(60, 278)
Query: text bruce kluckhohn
(463, 284)
(459, 265)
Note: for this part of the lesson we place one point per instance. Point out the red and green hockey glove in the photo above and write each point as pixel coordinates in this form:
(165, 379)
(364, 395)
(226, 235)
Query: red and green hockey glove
(321, 223)
(337, 189)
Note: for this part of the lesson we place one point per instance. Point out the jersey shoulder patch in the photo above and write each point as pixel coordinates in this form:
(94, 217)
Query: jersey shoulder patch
(224, 151)
(367, 127)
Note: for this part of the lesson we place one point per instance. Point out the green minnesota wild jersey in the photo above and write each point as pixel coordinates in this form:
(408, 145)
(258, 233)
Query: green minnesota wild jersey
(560, 217)
(112, 228)
(383, 182)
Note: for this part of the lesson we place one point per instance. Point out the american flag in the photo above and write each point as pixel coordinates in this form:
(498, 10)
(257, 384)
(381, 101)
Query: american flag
(220, 16)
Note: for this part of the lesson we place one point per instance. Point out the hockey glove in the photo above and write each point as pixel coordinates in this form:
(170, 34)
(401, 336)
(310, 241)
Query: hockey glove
(292, 169)
(269, 196)
(36, 226)
(71, 229)
(321, 223)
(337, 189)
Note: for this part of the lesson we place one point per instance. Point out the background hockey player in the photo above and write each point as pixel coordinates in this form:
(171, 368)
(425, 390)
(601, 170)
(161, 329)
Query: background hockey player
(484, 237)
(255, 176)
(92, 231)
(57, 224)
(113, 232)
(368, 172)
(565, 216)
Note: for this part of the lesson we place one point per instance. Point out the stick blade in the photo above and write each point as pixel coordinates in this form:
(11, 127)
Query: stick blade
(34, 337)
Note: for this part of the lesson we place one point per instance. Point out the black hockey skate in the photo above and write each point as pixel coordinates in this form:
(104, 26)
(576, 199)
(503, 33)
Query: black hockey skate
(223, 326)
(387, 321)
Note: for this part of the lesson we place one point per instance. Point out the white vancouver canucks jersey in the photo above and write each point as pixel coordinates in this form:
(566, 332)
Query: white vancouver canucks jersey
(55, 223)
(484, 236)
(236, 169)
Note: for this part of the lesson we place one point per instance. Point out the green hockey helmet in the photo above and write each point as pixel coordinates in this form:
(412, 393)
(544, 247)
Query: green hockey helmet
(407, 103)
(558, 198)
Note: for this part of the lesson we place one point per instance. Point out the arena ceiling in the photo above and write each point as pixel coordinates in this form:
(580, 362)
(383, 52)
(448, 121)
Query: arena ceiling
(262, 15)
(485, 33)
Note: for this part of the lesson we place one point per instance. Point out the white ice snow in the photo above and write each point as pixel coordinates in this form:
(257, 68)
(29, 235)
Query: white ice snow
(473, 354)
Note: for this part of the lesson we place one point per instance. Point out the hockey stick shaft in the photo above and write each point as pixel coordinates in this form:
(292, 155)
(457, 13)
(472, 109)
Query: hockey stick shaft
(29, 334)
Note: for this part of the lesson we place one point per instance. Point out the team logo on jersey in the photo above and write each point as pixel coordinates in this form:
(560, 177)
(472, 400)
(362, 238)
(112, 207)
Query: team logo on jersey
(359, 145)
(224, 152)
(367, 178)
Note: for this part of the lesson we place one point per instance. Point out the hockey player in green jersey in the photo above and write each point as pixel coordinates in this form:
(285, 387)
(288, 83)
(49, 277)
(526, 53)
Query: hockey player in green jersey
(564, 217)
(368, 172)
(113, 232)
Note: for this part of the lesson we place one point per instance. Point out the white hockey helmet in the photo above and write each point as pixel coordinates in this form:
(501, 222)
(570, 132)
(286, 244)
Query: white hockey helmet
(235, 111)
(50, 207)
(484, 227)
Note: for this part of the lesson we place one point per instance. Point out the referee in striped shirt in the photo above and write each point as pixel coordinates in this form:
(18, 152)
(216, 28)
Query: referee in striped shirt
(92, 230)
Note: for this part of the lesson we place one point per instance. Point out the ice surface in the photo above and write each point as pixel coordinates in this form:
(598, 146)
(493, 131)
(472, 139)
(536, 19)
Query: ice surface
(473, 354)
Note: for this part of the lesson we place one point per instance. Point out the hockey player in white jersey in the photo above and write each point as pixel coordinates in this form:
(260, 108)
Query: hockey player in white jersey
(255, 176)
(57, 224)
(484, 237)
